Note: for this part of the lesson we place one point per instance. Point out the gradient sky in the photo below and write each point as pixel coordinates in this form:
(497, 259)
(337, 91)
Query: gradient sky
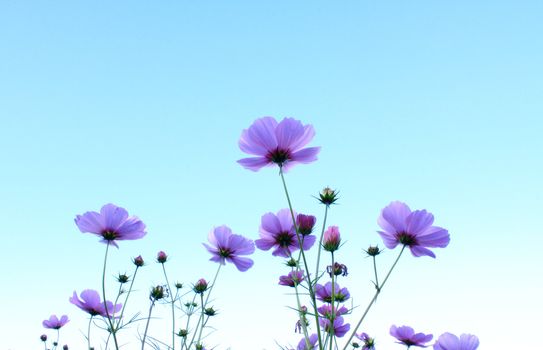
(437, 104)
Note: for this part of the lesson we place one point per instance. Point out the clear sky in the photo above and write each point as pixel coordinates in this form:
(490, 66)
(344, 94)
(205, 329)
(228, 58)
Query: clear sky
(438, 104)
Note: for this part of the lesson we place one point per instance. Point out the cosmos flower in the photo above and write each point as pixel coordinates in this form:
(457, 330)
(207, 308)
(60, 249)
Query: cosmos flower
(413, 229)
(112, 223)
(226, 246)
(331, 239)
(339, 328)
(369, 343)
(54, 322)
(274, 143)
(305, 224)
(91, 304)
(407, 336)
(324, 293)
(326, 311)
(312, 341)
(278, 232)
(448, 341)
(292, 279)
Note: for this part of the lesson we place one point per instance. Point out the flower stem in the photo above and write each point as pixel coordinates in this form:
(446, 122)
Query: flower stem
(375, 271)
(88, 332)
(320, 240)
(373, 299)
(110, 322)
(58, 336)
(202, 317)
(188, 320)
(309, 283)
(126, 299)
(300, 315)
(147, 324)
(333, 302)
(172, 301)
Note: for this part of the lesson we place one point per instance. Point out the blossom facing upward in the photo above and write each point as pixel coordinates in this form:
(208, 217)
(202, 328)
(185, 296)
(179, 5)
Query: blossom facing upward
(278, 232)
(293, 278)
(226, 246)
(407, 336)
(324, 293)
(91, 304)
(112, 223)
(54, 322)
(448, 341)
(411, 228)
(339, 329)
(312, 343)
(274, 143)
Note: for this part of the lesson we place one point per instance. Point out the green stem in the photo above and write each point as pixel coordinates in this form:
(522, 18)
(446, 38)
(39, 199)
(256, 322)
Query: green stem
(58, 337)
(320, 240)
(110, 322)
(310, 285)
(126, 299)
(378, 290)
(300, 315)
(172, 301)
(202, 317)
(147, 324)
(187, 326)
(375, 271)
(333, 301)
(88, 332)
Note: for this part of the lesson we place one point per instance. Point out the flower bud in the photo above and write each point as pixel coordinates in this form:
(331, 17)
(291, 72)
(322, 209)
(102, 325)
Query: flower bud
(373, 251)
(291, 263)
(328, 196)
(123, 278)
(138, 261)
(178, 285)
(305, 224)
(182, 333)
(210, 311)
(331, 239)
(161, 257)
(200, 287)
(43, 337)
(157, 293)
(65, 347)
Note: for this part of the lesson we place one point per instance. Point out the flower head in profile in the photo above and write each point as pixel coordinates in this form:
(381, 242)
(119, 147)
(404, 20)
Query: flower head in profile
(305, 224)
(54, 322)
(369, 343)
(293, 278)
(161, 257)
(90, 303)
(200, 287)
(302, 345)
(226, 246)
(278, 232)
(448, 341)
(407, 336)
(412, 229)
(274, 143)
(339, 328)
(112, 223)
(330, 312)
(331, 239)
(324, 293)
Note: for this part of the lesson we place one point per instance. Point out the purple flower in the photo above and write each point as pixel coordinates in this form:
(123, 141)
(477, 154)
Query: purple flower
(326, 311)
(277, 143)
(112, 224)
(448, 341)
(54, 323)
(312, 341)
(226, 246)
(305, 224)
(161, 257)
(369, 343)
(339, 329)
(200, 287)
(91, 304)
(331, 239)
(407, 336)
(278, 231)
(324, 293)
(413, 229)
(293, 278)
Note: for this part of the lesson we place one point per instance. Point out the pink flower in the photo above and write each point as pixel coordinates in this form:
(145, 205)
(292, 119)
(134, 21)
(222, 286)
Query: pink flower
(331, 239)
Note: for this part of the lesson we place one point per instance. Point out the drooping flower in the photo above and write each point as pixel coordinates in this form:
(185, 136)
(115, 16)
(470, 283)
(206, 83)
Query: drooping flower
(54, 322)
(91, 304)
(226, 246)
(302, 345)
(338, 269)
(112, 223)
(324, 293)
(339, 329)
(407, 336)
(448, 341)
(293, 278)
(305, 224)
(327, 311)
(413, 229)
(331, 239)
(274, 143)
(369, 343)
(278, 232)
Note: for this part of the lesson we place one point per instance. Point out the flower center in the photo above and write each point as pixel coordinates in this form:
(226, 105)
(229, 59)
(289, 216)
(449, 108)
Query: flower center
(284, 239)
(109, 235)
(278, 156)
(407, 239)
(225, 252)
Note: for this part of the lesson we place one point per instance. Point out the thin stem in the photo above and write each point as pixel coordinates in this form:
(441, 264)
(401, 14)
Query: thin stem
(378, 290)
(320, 240)
(110, 322)
(126, 299)
(310, 285)
(375, 271)
(88, 332)
(333, 302)
(300, 315)
(201, 318)
(58, 336)
(188, 319)
(173, 306)
(147, 325)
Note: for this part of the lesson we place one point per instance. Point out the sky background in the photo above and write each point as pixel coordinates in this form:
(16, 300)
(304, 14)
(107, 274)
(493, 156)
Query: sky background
(434, 103)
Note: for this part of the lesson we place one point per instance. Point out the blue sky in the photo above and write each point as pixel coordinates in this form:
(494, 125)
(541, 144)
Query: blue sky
(437, 104)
